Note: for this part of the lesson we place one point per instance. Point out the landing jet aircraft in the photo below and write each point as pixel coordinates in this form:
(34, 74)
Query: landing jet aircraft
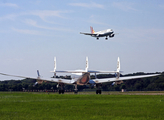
(103, 33)
(82, 77)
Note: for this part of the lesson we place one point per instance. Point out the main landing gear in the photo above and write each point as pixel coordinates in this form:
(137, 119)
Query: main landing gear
(106, 38)
(98, 91)
(61, 91)
(61, 88)
(98, 86)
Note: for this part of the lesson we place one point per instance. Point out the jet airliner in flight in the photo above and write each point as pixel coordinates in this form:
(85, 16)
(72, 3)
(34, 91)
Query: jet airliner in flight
(82, 77)
(103, 33)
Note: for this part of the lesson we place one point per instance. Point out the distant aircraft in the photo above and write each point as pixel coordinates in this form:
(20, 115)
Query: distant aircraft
(103, 33)
(82, 77)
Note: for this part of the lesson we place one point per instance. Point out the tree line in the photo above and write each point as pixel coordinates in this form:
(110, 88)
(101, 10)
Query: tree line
(142, 84)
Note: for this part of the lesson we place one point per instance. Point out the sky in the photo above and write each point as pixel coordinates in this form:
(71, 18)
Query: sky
(33, 32)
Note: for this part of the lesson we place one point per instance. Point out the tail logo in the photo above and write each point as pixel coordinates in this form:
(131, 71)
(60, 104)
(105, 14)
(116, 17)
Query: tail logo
(92, 31)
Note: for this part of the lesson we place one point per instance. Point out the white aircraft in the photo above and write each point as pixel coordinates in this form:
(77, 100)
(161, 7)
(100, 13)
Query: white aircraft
(82, 77)
(103, 33)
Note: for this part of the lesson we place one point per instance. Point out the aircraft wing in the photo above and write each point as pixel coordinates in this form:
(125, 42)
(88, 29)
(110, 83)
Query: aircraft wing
(93, 71)
(81, 71)
(57, 80)
(122, 78)
(69, 71)
(88, 34)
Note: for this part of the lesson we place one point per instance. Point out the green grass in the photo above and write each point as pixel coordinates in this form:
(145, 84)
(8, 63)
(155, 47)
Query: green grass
(43, 106)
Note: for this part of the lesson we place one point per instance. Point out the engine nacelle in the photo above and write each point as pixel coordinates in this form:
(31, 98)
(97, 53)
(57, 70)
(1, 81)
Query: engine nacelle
(112, 35)
(119, 82)
(91, 83)
(41, 81)
(60, 85)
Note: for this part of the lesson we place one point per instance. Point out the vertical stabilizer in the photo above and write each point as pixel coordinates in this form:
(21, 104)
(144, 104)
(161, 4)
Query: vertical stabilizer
(38, 74)
(54, 64)
(92, 31)
(86, 68)
(117, 74)
(54, 67)
(118, 65)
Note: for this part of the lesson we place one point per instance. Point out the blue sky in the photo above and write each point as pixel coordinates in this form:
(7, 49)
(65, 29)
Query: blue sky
(34, 31)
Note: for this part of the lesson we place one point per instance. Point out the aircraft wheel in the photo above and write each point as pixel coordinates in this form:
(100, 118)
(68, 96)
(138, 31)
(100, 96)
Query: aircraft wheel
(62, 91)
(106, 38)
(59, 91)
(97, 38)
(76, 92)
(99, 91)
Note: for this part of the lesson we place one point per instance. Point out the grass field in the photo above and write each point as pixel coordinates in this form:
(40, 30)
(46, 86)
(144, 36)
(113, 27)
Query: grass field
(88, 106)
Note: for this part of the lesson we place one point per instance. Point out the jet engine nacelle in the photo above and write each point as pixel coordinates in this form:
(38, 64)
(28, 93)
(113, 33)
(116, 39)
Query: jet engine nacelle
(112, 35)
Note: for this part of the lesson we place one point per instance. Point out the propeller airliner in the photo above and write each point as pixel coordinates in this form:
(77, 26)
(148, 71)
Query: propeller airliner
(82, 77)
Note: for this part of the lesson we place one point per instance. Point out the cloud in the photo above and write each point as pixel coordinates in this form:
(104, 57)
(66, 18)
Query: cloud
(95, 20)
(34, 24)
(9, 5)
(9, 17)
(125, 6)
(26, 31)
(87, 5)
(43, 14)
(46, 13)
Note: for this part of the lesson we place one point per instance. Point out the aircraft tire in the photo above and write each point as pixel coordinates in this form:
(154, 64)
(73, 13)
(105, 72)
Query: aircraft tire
(75, 91)
(62, 91)
(59, 91)
(99, 91)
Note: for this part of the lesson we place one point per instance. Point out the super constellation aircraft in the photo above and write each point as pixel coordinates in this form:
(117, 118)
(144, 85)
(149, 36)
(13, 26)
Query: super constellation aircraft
(82, 77)
(103, 33)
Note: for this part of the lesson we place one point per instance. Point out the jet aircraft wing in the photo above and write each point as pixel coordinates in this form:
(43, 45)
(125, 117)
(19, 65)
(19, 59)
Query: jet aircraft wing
(87, 33)
(104, 80)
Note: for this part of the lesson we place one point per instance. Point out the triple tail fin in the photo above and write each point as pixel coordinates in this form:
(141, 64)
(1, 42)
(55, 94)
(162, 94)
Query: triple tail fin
(87, 65)
(117, 74)
(38, 74)
(54, 67)
(118, 65)
(92, 31)
(54, 64)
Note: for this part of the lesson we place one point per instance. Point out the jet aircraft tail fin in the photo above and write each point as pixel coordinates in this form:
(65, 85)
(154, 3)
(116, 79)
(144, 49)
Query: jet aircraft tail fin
(92, 31)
